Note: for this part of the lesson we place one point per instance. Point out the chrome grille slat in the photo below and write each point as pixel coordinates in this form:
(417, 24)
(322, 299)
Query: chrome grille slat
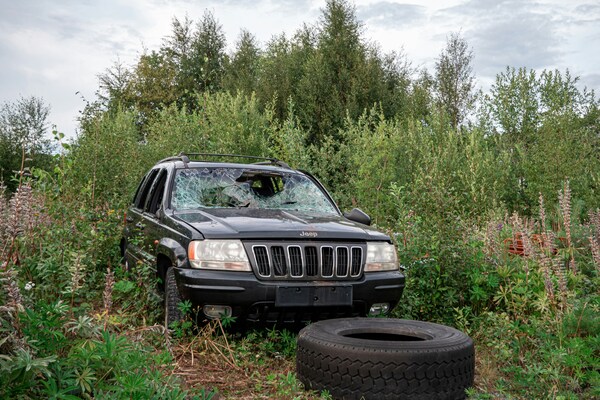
(306, 260)
(278, 260)
(312, 260)
(295, 255)
(356, 261)
(342, 261)
(262, 260)
(326, 261)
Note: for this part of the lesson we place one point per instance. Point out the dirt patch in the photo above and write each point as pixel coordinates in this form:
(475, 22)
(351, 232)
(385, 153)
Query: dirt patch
(236, 370)
(247, 381)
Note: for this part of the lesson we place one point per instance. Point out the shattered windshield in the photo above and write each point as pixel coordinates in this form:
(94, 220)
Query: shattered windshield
(242, 188)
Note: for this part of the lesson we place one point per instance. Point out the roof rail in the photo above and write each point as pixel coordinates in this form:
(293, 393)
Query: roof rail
(181, 157)
(266, 160)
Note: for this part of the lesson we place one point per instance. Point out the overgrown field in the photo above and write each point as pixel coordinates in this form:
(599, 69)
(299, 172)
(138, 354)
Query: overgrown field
(492, 199)
(74, 324)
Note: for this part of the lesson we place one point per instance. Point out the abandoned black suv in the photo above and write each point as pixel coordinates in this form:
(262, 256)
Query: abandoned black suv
(260, 242)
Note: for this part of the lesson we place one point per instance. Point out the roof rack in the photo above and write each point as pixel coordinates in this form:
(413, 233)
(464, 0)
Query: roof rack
(181, 157)
(185, 157)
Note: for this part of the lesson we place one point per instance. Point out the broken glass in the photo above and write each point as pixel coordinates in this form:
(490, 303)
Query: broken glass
(196, 188)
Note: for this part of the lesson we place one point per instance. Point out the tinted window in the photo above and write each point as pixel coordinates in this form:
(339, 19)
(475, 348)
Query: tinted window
(145, 188)
(137, 191)
(157, 192)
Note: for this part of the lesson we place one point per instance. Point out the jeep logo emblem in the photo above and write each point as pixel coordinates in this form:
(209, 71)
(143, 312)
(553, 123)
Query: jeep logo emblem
(309, 234)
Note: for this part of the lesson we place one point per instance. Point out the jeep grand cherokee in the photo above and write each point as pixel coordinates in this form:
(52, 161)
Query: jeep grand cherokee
(260, 242)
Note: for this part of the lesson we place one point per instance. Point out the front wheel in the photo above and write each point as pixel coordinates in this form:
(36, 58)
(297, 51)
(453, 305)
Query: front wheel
(172, 299)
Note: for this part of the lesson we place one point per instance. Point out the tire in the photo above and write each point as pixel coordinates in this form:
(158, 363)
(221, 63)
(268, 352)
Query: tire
(379, 358)
(172, 299)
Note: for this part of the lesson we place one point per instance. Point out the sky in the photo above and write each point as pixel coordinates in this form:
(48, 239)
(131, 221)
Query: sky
(55, 49)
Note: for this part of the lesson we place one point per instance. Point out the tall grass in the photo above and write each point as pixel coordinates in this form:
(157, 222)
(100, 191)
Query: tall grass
(453, 201)
(59, 333)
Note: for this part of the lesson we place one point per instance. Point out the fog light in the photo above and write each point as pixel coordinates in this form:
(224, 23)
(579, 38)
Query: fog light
(379, 309)
(216, 312)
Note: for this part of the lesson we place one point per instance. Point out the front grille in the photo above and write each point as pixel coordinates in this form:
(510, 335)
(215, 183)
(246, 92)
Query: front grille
(306, 261)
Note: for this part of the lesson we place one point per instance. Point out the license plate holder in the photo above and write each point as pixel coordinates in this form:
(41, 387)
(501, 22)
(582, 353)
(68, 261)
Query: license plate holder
(316, 296)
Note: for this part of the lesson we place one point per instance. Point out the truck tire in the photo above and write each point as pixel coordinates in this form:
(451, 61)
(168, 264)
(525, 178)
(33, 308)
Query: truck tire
(380, 358)
(172, 299)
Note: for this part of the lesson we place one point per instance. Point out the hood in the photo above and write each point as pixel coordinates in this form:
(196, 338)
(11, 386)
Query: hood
(259, 224)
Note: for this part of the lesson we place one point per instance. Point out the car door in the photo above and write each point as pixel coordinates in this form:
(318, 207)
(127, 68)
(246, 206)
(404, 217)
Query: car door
(153, 229)
(136, 222)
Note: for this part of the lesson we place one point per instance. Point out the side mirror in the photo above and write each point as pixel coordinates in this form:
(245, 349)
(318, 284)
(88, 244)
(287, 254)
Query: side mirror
(357, 215)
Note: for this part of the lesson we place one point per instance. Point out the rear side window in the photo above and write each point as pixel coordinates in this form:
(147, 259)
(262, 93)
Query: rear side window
(137, 191)
(144, 188)
(157, 192)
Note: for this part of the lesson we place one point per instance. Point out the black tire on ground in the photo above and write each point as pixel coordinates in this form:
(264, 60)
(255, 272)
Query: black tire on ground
(380, 358)
(172, 299)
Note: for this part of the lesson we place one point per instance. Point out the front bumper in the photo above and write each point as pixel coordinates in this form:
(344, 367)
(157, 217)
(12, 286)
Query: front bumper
(259, 300)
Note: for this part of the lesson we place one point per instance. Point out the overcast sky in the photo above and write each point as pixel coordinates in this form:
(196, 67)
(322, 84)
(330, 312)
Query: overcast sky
(55, 48)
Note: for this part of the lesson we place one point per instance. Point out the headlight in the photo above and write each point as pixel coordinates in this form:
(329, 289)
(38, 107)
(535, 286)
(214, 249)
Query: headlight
(218, 254)
(381, 256)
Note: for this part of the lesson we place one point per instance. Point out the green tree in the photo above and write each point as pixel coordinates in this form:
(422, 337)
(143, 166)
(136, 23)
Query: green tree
(421, 98)
(114, 83)
(107, 158)
(206, 65)
(327, 89)
(153, 85)
(344, 76)
(23, 126)
(178, 44)
(178, 47)
(189, 61)
(282, 67)
(512, 108)
(565, 146)
(242, 71)
(395, 86)
(274, 84)
(454, 79)
(547, 127)
(514, 104)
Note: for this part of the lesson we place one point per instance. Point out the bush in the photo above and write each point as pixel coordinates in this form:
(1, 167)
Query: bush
(59, 333)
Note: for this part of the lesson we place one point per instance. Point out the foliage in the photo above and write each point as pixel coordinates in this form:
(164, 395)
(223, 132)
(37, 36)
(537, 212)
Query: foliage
(60, 339)
(526, 293)
(455, 79)
(23, 127)
(548, 127)
(243, 70)
(216, 127)
(326, 70)
(107, 160)
(456, 183)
